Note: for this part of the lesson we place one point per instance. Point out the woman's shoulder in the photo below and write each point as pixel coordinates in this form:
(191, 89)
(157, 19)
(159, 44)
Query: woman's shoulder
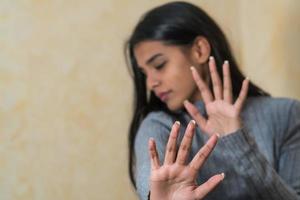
(158, 117)
(156, 124)
(272, 116)
(271, 104)
(279, 113)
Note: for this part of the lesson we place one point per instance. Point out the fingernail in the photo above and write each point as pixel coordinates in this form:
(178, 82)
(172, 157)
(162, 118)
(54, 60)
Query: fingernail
(218, 135)
(247, 78)
(226, 62)
(211, 57)
(151, 141)
(178, 123)
(192, 68)
(193, 121)
(223, 175)
(186, 102)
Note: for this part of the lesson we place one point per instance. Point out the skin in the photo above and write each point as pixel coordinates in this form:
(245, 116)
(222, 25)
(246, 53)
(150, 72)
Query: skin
(175, 180)
(167, 70)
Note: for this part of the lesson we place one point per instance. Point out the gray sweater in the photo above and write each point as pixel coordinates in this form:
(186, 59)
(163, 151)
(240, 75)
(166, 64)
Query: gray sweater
(260, 161)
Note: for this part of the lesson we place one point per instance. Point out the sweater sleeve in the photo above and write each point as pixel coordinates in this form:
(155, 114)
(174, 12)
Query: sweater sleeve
(263, 180)
(157, 126)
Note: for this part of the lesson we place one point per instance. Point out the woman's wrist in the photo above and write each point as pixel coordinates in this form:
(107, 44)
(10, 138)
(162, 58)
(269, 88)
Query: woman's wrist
(232, 127)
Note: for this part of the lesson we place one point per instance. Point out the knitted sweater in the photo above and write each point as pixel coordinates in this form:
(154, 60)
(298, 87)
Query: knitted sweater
(260, 161)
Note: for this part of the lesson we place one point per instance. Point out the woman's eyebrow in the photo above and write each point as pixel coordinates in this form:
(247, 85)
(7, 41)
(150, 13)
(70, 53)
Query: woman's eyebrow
(150, 60)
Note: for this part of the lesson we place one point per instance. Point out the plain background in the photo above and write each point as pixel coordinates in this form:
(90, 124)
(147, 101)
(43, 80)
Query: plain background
(66, 95)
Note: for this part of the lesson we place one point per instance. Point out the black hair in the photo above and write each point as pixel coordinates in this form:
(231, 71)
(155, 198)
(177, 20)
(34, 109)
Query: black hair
(175, 23)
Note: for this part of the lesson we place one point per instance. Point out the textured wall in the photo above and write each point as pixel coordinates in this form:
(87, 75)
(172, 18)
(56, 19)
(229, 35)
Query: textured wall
(65, 94)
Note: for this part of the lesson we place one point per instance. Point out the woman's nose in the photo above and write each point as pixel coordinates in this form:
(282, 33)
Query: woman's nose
(152, 82)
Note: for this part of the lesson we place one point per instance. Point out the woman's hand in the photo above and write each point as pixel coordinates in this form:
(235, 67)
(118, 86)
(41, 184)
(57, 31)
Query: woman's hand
(223, 114)
(176, 180)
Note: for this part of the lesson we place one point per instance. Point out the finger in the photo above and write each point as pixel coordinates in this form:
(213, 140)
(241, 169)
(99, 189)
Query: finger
(186, 143)
(203, 153)
(216, 81)
(194, 112)
(153, 154)
(171, 146)
(242, 96)
(227, 91)
(204, 90)
(208, 186)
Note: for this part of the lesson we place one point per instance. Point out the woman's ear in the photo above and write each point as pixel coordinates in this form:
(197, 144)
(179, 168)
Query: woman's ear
(201, 50)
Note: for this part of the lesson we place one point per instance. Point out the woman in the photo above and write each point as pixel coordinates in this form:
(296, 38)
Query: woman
(259, 144)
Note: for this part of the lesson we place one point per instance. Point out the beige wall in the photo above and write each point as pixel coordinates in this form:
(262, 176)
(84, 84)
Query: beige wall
(65, 94)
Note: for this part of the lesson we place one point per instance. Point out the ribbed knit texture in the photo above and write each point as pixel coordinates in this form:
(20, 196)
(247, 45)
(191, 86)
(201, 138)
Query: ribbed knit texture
(260, 161)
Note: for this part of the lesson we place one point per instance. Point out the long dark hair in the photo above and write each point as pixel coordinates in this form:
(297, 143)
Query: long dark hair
(175, 23)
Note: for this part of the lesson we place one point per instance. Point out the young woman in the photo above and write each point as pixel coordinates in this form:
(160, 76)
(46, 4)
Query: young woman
(183, 69)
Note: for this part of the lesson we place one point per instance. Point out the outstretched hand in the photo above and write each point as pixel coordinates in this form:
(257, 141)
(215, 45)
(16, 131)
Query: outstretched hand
(223, 114)
(176, 180)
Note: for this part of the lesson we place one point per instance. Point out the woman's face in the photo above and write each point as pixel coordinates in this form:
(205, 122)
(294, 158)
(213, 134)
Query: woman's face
(167, 71)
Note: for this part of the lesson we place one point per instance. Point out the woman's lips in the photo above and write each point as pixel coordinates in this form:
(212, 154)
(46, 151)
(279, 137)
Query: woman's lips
(164, 95)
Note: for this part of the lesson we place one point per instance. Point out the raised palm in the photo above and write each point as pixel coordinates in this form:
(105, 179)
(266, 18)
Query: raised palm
(175, 180)
(223, 115)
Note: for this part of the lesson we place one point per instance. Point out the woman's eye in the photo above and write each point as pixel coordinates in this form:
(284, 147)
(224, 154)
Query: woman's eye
(160, 65)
